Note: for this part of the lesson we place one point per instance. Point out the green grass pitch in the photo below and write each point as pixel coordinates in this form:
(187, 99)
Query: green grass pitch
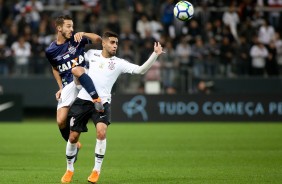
(151, 153)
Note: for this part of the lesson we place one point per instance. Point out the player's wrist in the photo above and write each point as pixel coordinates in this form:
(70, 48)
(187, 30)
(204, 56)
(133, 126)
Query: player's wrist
(155, 54)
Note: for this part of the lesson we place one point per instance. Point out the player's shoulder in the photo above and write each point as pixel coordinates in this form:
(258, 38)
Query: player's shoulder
(120, 62)
(94, 52)
(120, 59)
(50, 48)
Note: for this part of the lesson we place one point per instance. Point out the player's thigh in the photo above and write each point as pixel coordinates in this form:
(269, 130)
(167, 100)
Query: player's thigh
(102, 118)
(62, 114)
(79, 114)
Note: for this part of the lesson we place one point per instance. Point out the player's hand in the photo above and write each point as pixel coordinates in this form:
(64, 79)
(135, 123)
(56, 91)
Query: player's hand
(78, 36)
(58, 94)
(158, 49)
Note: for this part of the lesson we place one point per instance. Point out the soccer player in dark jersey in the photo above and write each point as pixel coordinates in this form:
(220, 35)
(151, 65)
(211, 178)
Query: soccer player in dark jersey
(66, 55)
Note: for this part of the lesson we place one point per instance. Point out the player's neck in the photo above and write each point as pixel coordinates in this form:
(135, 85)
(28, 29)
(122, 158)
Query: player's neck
(106, 54)
(60, 40)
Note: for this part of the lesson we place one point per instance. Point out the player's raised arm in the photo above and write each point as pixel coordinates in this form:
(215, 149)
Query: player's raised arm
(158, 50)
(92, 36)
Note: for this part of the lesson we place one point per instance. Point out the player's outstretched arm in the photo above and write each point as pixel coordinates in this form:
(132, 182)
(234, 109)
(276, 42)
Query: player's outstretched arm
(92, 36)
(158, 50)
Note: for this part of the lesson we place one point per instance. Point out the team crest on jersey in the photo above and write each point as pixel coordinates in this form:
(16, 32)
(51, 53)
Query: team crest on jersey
(72, 49)
(111, 65)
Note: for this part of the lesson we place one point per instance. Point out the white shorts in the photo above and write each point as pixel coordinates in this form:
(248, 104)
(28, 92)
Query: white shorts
(68, 95)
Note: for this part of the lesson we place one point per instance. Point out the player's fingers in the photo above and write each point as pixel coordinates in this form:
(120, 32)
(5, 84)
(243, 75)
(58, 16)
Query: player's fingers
(57, 97)
(79, 38)
(160, 46)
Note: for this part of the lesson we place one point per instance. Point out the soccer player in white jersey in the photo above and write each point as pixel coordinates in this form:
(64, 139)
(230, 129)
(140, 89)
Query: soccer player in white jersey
(103, 64)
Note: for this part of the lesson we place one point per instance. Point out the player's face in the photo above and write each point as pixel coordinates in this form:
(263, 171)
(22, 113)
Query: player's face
(67, 29)
(110, 45)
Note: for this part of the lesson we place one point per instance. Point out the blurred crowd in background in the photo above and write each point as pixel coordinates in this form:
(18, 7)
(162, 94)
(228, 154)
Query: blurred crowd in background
(236, 38)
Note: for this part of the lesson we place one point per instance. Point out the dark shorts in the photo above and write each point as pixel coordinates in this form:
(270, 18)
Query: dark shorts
(83, 110)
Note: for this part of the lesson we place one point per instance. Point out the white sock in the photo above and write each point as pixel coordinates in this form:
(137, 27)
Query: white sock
(71, 150)
(100, 150)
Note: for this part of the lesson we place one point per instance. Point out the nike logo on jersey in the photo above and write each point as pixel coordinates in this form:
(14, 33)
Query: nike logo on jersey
(70, 64)
(6, 106)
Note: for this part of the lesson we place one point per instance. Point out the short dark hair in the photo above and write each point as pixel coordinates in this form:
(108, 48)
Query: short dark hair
(108, 34)
(60, 20)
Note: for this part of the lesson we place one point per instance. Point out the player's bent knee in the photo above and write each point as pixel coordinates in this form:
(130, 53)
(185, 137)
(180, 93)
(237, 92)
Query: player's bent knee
(101, 130)
(101, 135)
(73, 139)
(61, 122)
(62, 117)
(77, 71)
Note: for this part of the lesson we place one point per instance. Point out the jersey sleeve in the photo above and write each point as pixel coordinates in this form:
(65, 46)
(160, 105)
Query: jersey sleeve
(127, 67)
(85, 41)
(88, 54)
(49, 57)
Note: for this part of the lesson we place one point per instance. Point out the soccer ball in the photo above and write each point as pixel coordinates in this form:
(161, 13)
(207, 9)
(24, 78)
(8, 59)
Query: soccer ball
(183, 10)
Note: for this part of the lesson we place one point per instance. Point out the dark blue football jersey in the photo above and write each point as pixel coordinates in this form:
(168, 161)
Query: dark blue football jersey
(66, 56)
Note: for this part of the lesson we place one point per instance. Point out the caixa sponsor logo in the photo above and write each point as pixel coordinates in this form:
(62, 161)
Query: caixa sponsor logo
(136, 106)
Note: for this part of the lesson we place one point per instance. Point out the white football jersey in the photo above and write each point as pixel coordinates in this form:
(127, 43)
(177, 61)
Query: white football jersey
(104, 73)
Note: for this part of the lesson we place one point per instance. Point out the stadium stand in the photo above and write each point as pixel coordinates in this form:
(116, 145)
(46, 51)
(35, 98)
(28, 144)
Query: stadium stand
(202, 49)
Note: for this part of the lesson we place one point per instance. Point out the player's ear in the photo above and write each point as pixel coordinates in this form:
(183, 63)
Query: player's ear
(59, 28)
